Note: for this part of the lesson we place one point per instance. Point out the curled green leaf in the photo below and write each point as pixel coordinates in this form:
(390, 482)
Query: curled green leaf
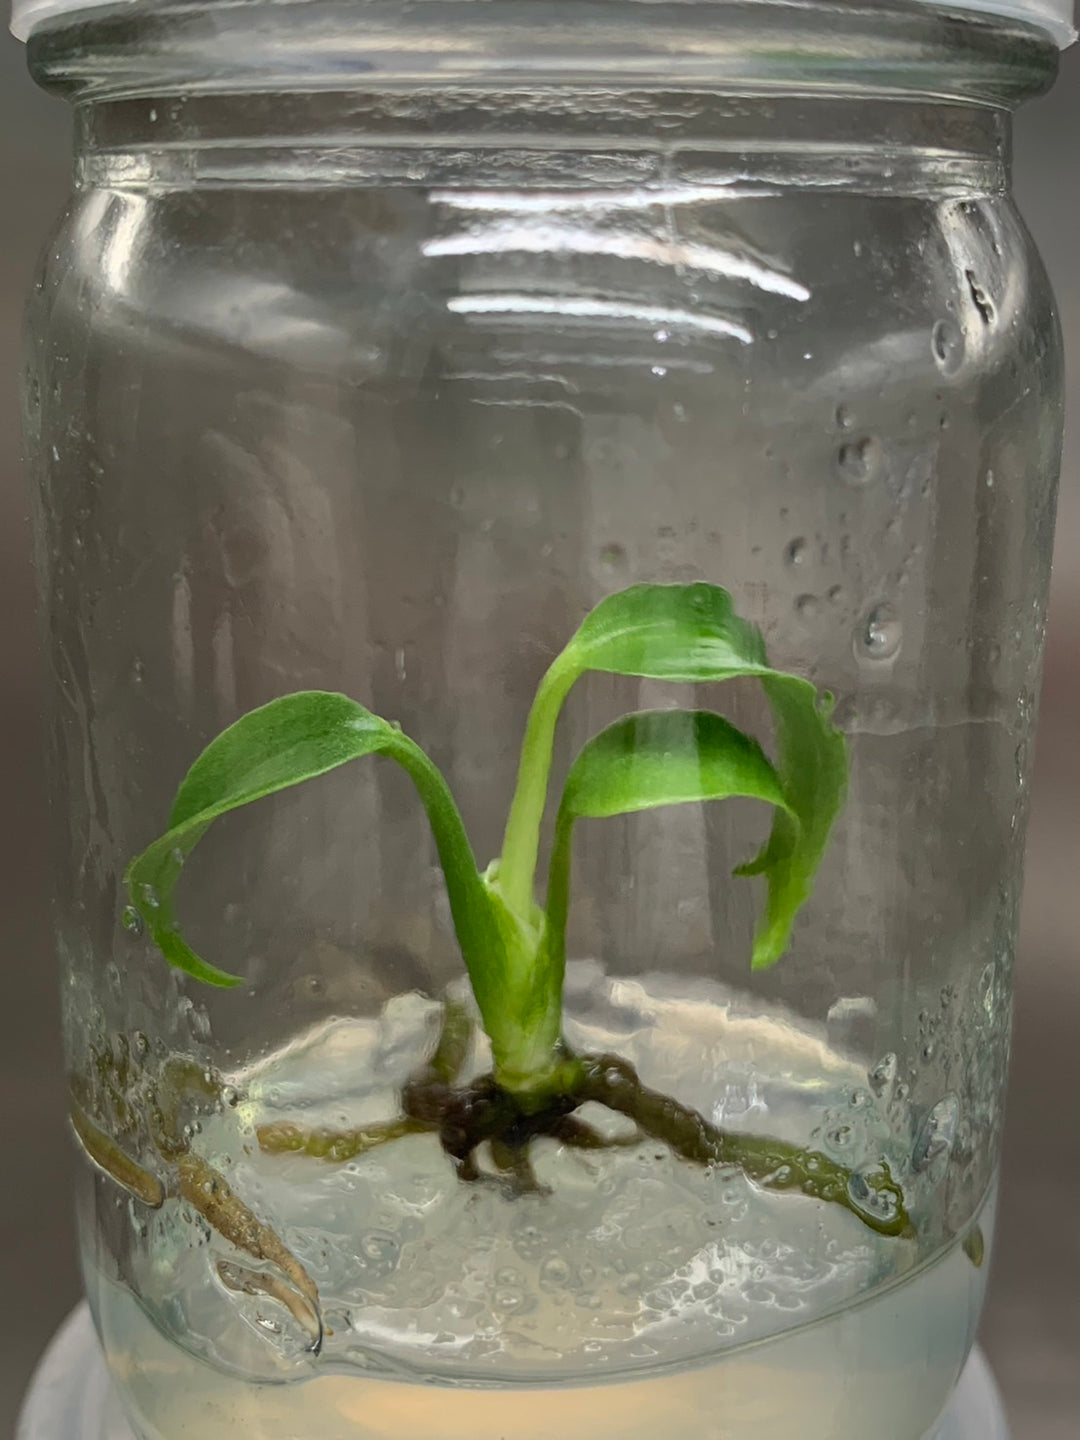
(641, 762)
(812, 765)
(665, 757)
(280, 745)
(685, 633)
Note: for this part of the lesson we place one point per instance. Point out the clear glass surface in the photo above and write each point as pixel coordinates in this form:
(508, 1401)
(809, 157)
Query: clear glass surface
(344, 381)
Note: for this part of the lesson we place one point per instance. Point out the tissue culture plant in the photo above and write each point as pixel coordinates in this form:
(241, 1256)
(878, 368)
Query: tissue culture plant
(514, 949)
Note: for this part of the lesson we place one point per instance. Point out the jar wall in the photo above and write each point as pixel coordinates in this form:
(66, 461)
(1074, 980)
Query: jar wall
(394, 430)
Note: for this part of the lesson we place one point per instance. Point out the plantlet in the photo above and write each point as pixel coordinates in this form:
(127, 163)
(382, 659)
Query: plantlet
(514, 950)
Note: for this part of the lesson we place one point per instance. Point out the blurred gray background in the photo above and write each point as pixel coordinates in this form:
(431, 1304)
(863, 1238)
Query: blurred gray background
(1032, 1326)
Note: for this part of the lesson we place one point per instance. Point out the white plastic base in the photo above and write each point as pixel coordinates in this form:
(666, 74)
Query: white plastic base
(70, 1397)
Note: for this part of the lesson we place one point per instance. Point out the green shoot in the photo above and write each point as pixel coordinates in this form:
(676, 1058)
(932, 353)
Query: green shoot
(691, 633)
(513, 952)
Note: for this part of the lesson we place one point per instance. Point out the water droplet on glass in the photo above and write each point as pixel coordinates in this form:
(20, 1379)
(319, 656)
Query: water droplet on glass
(381, 1250)
(131, 920)
(880, 1205)
(796, 551)
(947, 344)
(1020, 758)
(807, 607)
(555, 1272)
(980, 299)
(399, 662)
(150, 896)
(844, 418)
(508, 1299)
(659, 371)
(879, 634)
(936, 1134)
(989, 479)
(860, 460)
(661, 336)
(835, 594)
(883, 1075)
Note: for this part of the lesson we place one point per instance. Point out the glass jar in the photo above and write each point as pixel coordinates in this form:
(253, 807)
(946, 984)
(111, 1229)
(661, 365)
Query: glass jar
(367, 360)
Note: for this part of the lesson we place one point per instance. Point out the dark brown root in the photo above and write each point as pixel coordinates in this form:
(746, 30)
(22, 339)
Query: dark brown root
(469, 1116)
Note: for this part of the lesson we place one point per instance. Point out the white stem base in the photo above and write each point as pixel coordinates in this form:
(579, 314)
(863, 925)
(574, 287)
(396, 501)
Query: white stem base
(70, 1397)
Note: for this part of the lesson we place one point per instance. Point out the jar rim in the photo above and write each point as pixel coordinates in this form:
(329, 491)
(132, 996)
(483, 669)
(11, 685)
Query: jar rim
(923, 48)
(1053, 17)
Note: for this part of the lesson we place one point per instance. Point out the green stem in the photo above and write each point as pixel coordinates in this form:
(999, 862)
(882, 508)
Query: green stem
(500, 950)
(455, 1037)
(521, 842)
(475, 924)
(553, 970)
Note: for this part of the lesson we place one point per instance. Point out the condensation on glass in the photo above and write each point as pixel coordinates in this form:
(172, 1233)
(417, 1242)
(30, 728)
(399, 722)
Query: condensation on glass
(370, 353)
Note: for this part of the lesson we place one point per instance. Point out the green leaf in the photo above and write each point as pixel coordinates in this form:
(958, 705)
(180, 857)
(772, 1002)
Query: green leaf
(666, 632)
(645, 760)
(276, 746)
(658, 632)
(280, 745)
(812, 765)
(666, 757)
(692, 633)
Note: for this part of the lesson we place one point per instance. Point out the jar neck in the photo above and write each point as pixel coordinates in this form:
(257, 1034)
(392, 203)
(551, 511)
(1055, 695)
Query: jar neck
(557, 137)
(739, 93)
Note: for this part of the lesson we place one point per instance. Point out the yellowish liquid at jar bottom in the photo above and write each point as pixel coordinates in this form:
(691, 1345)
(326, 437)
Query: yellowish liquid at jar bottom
(881, 1368)
(637, 1298)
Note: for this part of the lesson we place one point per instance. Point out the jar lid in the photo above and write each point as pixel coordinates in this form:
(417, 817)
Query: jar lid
(1055, 17)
